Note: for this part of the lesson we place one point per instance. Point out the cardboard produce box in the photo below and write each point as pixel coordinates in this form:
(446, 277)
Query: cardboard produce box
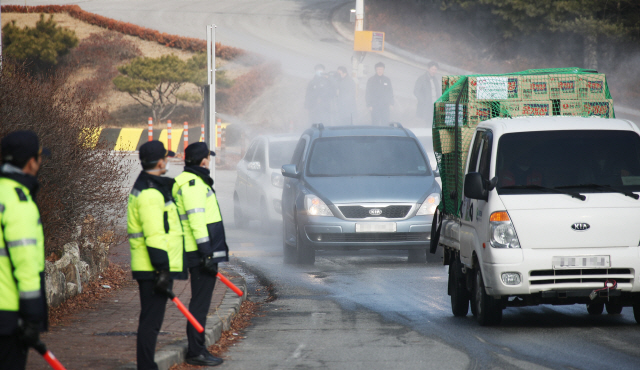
(447, 140)
(526, 108)
(445, 114)
(592, 86)
(601, 108)
(535, 87)
(563, 86)
(478, 112)
(571, 107)
(453, 94)
(494, 88)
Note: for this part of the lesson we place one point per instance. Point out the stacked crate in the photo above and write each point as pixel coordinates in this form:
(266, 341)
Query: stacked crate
(473, 99)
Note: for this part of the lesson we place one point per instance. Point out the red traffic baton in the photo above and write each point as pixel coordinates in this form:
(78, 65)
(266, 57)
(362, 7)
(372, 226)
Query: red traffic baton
(185, 312)
(48, 356)
(231, 285)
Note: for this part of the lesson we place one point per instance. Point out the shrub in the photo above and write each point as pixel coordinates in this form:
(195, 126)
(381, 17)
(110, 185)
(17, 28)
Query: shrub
(39, 47)
(103, 48)
(82, 178)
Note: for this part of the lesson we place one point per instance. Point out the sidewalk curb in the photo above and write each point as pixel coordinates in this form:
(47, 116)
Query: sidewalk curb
(218, 322)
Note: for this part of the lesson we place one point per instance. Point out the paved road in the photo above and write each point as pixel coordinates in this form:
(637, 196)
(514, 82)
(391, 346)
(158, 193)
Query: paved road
(366, 309)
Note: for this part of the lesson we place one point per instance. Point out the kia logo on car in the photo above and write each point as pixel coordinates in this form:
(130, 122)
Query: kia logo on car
(580, 226)
(375, 211)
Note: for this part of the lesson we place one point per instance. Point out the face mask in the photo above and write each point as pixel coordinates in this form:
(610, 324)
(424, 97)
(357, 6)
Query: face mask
(166, 167)
(319, 73)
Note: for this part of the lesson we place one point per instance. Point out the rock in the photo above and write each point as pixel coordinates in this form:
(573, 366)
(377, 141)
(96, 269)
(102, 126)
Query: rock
(85, 272)
(55, 284)
(74, 252)
(72, 289)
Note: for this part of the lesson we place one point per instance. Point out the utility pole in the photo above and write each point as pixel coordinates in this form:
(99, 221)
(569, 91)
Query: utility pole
(210, 119)
(356, 60)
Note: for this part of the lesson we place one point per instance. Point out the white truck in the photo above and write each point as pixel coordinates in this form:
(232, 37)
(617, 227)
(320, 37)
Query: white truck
(550, 215)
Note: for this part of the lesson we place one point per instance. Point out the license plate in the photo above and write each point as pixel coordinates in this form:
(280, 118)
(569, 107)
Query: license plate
(376, 227)
(579, 262)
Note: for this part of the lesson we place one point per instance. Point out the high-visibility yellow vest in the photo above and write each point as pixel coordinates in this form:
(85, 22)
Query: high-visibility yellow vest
(155, 232)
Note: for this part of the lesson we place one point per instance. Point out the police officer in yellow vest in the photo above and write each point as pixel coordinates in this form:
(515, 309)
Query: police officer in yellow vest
(157, 252)
(205, 242)
(23, 306)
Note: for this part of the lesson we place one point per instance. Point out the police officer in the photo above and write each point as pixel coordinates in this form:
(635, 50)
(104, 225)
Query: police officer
(379, 96)
(156, 240)
(23, 307)
(205, 243)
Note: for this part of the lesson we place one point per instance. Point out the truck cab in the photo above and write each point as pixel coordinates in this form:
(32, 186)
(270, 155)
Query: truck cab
(548, 216)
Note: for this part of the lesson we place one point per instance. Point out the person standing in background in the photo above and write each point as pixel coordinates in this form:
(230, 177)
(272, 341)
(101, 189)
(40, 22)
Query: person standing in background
(346, 98)
(319, 97)
(427, 90)
(379, 96)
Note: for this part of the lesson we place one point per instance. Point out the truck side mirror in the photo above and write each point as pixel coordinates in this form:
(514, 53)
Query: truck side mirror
(289, 170)
(475, 186)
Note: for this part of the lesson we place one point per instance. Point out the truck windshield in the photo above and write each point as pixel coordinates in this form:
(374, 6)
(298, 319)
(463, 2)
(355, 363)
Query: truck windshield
(367, 156)
(584, 161)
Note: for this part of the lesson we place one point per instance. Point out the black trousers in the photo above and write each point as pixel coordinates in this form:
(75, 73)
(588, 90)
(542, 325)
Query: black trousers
(380, 116)
(152, 307)
(202, 284)
(13, 354)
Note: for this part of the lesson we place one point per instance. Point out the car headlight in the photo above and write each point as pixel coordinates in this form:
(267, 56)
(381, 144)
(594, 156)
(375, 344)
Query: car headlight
(277, 180)
(503, 234)
(429, 206)
(315, 206)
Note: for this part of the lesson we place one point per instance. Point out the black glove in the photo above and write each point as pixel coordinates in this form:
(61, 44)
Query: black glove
(209, 265)
(29, 332)
(163, 282)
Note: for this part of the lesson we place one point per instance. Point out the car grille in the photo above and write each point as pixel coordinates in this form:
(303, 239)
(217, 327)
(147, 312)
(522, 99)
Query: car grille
(370, 237)
(363, 212)
(573, 276)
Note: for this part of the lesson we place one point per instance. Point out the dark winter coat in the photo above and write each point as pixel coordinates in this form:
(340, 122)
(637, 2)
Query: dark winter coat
(424, 90)
(379, 92)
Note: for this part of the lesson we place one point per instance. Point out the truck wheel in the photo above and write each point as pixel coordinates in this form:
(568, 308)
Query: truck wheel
(595, 308)
(636, 312)
(417, 256)
(613, 308)
(458, 290)
(488, 309)
(304, 253)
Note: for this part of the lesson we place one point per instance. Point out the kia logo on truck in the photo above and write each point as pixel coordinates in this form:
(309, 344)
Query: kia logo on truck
(375, 212)
(580, 226)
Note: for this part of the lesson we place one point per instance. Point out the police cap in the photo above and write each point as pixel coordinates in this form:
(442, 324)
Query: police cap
(20, 146)
(195, 153)
(153, 151)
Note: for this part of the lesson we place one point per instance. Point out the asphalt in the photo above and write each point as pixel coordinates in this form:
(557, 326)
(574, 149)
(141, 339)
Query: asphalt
(105, 337)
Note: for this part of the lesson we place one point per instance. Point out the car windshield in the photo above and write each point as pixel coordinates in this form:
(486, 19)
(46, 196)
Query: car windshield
(367, 156)
(280, 152)
(581, 161)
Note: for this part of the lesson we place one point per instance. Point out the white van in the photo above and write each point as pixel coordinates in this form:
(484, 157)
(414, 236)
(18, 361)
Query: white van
(550, 215)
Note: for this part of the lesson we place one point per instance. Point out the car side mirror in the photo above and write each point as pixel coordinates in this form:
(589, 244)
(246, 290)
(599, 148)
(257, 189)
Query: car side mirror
(289, 170)
(475, 186)
(254, 166)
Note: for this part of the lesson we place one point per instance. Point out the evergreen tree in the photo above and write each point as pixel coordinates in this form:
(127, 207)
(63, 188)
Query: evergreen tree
(154, 82)
(38, 48)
